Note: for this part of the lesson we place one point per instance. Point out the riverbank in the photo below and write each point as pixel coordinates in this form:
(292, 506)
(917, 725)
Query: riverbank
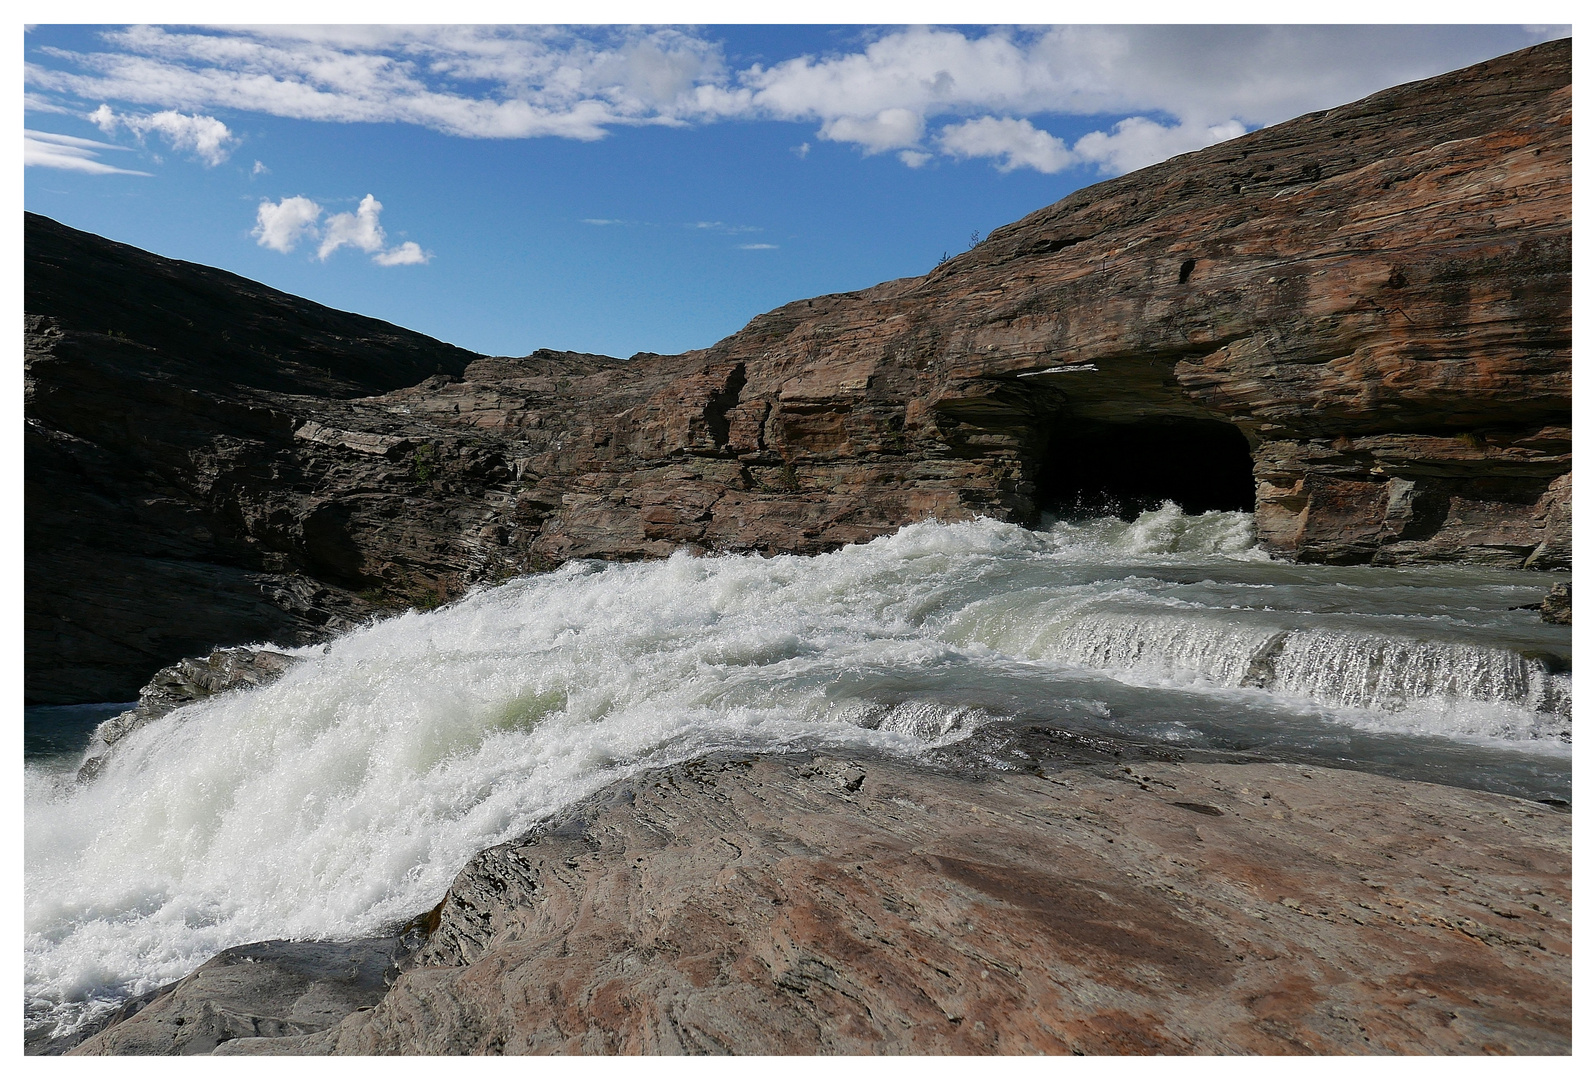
(864, 904)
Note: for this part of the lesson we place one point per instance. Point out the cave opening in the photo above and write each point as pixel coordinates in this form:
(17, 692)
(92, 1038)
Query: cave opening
(1090, 469)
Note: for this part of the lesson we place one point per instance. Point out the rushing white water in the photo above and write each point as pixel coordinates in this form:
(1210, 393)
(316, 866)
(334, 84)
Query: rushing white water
(342, 799)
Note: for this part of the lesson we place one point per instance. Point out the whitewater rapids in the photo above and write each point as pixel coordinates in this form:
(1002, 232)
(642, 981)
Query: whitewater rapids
(341, 800)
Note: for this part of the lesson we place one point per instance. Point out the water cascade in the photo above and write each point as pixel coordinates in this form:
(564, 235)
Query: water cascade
(342, 799)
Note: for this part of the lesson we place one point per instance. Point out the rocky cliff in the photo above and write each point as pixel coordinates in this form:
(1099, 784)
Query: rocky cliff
(1357, 323)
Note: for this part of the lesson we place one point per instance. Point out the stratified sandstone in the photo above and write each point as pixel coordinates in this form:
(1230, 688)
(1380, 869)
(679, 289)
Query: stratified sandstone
(814, 905)
(1357, 323)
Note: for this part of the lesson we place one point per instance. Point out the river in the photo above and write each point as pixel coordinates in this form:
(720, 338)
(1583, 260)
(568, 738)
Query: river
(342, 799)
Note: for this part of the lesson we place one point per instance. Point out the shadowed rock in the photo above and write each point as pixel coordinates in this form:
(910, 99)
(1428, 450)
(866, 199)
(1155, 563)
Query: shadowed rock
(268, 990)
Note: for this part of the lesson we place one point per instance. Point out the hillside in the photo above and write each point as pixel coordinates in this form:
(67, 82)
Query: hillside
(1357, 323)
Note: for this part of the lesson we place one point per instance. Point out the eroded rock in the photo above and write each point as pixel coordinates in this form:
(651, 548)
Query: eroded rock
(1558, 607)
(866, 905)
(266, 991)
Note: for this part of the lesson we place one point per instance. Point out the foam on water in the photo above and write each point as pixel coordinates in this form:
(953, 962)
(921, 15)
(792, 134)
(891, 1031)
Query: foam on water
(343, 798)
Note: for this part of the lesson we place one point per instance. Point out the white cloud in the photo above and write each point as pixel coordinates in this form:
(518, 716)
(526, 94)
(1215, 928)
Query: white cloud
(802, 150)
(1016, 142)
(50, 151)
(528, 81)
(258, 169)
(282, 225)
(889, 129)
(759, 247)
(722, 227)
(359, 230)
(602, 221)
(1212, 81)
(408, 253)
(1180, 86)
(206, 137)
(1134, 142)
(1137, 141)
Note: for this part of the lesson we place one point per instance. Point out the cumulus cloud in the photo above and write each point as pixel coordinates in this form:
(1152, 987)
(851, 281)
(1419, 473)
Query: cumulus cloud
(408, 253)
(889, 129)
(1132, 143)
(206, 137)
(50, 151)
(1015, 143)
(1164, 89)
(358, 230)
(1137, 141)
(282, 226)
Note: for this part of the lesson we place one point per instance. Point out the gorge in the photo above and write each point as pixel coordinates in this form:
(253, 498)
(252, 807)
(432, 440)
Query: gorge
(787, 695)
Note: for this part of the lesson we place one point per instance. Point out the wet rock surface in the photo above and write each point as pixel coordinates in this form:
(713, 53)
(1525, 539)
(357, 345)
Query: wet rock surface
(1558, 607)
(1364, 315)
(815, 904)
(268, 990)
(186, 681)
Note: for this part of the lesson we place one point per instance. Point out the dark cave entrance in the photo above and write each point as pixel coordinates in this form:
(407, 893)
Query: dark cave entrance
(1090, 468)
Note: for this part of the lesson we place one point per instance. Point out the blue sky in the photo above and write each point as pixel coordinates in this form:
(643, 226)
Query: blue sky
(615, 189)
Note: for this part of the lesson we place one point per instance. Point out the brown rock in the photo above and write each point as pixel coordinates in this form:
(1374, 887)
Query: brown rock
(1558, 607)
(794, 905)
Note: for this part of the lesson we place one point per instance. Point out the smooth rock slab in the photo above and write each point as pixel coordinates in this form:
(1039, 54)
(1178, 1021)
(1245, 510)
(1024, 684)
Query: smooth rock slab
(796, 905)
(264, 991)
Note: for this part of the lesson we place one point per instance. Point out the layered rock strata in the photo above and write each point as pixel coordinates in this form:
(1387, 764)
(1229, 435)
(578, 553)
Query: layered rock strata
(820, 905)
(1357, 322)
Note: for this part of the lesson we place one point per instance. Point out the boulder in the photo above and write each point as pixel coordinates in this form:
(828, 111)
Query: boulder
(186, 681)
(1558, 607)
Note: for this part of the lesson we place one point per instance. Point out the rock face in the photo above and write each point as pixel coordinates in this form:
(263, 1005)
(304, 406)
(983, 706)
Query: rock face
(1357, 323)
(813, 905)
(159, 398)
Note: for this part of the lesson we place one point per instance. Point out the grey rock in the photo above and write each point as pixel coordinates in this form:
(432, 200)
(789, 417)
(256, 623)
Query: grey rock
(188, 680)
(269, 990)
